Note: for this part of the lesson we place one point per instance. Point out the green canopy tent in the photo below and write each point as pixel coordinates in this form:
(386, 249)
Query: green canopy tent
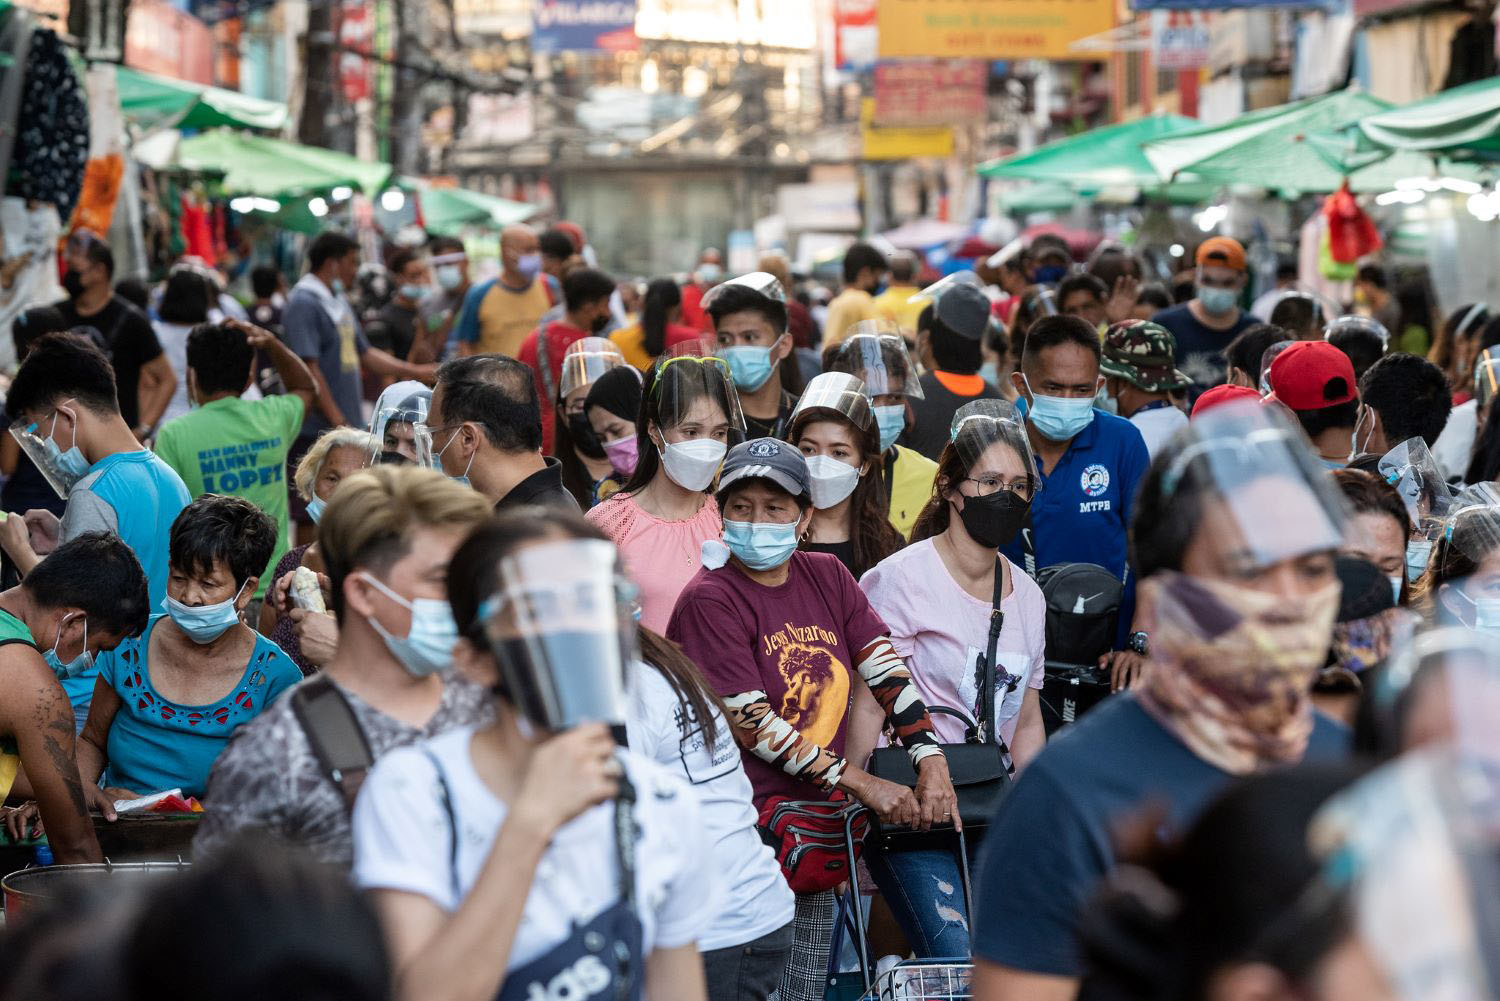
(1098, 158)
(448, 211)
(1286, 149)
(151, 102)
(1463, 122)
(273, 168)
(1040, 197)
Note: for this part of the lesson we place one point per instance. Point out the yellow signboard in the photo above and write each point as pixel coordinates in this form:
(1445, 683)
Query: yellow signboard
(898, 144)
(990, 29)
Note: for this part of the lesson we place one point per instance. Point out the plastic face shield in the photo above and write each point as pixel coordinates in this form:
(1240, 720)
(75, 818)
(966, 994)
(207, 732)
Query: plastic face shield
(932, 292)
(838, 393)
(692, 388)
(1345, 323)
(1412, 470)
(762, 282)
(1487, 376)
(874, 352)
(584, 362)
(394, 429)
(561, 631)
(976, 431)
(1262, 495)
(32, 437)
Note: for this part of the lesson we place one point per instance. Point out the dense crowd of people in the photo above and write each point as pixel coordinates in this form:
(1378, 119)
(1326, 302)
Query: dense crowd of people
(550, 636)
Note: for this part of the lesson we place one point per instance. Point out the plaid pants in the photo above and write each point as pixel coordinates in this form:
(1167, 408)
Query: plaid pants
(806, 977)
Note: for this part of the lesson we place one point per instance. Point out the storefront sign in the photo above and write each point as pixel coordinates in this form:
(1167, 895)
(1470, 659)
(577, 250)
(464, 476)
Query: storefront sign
(990, 29)
(159, 38)
(583, 26)
(1180, 39)
(854, 34)
(930, 91)
(900, 143)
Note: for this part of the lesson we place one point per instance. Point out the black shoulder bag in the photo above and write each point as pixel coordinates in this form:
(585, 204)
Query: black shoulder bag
(980, 767)
(337, 739)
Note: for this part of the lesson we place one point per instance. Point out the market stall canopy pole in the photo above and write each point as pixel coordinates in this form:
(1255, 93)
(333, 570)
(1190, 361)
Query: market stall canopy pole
(1098, 158)
(151, 102)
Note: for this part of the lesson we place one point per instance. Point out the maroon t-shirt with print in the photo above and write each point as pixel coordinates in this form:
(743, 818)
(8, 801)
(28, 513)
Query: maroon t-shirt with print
(798, 643)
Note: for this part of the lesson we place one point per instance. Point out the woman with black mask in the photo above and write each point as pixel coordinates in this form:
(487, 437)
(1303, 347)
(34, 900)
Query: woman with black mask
(938, 597)
(588, 474)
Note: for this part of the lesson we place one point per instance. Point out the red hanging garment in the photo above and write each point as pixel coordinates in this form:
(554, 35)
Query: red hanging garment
(1351, 233)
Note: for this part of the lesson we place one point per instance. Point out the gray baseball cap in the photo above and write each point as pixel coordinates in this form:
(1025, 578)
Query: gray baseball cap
(963, 309)
(768, 459)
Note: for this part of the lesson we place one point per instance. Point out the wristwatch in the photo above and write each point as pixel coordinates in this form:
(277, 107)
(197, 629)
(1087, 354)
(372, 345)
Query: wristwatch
(1140, 643)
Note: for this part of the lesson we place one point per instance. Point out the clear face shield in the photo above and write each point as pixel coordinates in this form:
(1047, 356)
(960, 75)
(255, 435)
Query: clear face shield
(977, 428)
(561, 630)
(694, 392)
(62, 463)
(1350, 323)
(934, 291)
(875, 353)
(761, 282)
(1263, 497)
(582, 365)
(1487, 377)
(394, 429)
(835, 392)
(1412, 470)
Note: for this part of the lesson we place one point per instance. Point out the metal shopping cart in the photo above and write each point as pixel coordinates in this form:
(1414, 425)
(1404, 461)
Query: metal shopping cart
(929, 980)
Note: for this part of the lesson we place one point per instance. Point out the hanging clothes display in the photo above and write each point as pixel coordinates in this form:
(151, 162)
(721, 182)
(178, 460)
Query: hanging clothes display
(52, 131)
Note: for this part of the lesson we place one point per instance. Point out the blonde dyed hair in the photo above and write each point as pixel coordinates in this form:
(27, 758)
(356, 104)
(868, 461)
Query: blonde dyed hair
(371, 517)
(311, 465)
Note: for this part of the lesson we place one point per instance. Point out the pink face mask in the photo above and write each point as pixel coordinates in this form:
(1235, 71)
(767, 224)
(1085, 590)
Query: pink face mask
(622, 454)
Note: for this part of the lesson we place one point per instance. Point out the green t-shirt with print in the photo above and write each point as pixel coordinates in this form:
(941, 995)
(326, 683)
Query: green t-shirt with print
(239, 447)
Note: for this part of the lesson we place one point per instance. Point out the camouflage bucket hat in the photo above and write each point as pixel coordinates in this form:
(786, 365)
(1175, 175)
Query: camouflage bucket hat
(1142, 353)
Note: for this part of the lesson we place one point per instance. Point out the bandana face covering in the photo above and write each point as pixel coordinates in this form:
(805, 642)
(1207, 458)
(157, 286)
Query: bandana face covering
(1231, 668)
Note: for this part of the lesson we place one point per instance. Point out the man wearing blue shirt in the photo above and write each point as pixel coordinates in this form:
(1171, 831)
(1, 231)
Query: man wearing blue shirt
(64, 408)
(1090, 463)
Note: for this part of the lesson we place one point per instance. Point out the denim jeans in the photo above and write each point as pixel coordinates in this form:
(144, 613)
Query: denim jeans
(749, 972)
(926, 894)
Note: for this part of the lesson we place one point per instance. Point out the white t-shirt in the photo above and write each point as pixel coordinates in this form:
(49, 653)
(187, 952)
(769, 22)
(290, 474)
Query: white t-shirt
(757, 900)
(939, 629)
(1454, 448)
(1158, 425)
(401, 842)
(173, 338)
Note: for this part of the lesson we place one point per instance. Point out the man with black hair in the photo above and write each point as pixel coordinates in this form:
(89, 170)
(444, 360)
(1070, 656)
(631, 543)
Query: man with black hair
(266, 286)
(950, 331)
(497, 315)
(1090, 463)
(64, 394)
(143, 376)
(586, 295)
(231, 445)
(865, 269)
(487, 431)
(1244, 354)
(394, 328)
(751, 328)
(1083, 296)
(557, 249)
(1363, 346)
(1300, 315)
(84, 599)
(1372, 297)
(1402, 396)
(1315, 381)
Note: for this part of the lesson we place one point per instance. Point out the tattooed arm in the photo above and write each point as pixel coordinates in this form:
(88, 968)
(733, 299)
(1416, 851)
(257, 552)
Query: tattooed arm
(37, 712)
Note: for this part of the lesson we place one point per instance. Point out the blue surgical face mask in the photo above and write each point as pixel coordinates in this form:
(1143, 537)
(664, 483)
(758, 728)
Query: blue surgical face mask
(204, 623)
(428, 645)
(990, 373)
(1396, 584)
(891, 418)
(529, 265)
(70, 466)
(1051, 274)
(76, 667)
(315, 509)
(1058, 418)
(761, 545)
(464, 478)
(1217, 301)
(413, 292)
(749, 365)
(1418, 552)
(337, 288)
(450, 276)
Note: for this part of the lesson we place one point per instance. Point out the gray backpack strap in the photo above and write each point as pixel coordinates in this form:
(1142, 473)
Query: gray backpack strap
(334, 732)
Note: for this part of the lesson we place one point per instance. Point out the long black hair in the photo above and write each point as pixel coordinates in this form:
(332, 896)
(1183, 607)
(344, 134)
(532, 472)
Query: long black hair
(669, 392)
(473, 576)
(662, 296)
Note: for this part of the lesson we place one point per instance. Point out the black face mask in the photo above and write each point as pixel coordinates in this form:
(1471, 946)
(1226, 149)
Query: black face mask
(72, 283)
(993, 520)
(600, 322)
(584, 438)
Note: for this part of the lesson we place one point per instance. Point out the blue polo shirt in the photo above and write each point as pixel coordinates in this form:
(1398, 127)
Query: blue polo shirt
(1082, 512)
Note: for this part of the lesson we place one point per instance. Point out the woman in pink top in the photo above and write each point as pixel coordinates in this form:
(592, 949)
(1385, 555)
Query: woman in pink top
(661, 518)
(936, 597)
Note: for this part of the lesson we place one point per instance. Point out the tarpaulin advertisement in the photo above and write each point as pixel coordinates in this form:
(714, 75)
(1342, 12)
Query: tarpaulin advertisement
(930, 91)
(990, 29)
(583, 26)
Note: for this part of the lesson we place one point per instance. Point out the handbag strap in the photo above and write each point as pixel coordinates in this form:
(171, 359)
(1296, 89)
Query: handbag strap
(985, 679)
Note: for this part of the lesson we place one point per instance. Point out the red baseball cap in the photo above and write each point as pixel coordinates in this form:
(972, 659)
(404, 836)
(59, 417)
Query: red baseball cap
(1312, 375)
(1220, 395)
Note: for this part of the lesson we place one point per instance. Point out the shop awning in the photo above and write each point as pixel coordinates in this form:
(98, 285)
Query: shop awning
(448, 211)
(153, 102)
(1098, 158)
(1040, 197)
(1464, 121)
(273, 168)
(1286, 149)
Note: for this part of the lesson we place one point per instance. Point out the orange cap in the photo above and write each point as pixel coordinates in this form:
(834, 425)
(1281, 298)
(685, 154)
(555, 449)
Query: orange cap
(1222, 252)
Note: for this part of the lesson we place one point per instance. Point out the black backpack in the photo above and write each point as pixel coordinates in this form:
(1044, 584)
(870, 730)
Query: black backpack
(1083, 613)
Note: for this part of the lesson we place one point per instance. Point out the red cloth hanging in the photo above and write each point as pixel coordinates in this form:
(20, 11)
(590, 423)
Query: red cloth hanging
(196, 233)
(1351, 233)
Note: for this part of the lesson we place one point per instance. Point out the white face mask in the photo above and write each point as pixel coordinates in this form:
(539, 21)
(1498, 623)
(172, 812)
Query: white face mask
(692, 464)
(830, 480)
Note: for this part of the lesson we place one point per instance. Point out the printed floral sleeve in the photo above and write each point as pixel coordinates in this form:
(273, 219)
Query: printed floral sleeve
(772, 739)
(890, 682)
